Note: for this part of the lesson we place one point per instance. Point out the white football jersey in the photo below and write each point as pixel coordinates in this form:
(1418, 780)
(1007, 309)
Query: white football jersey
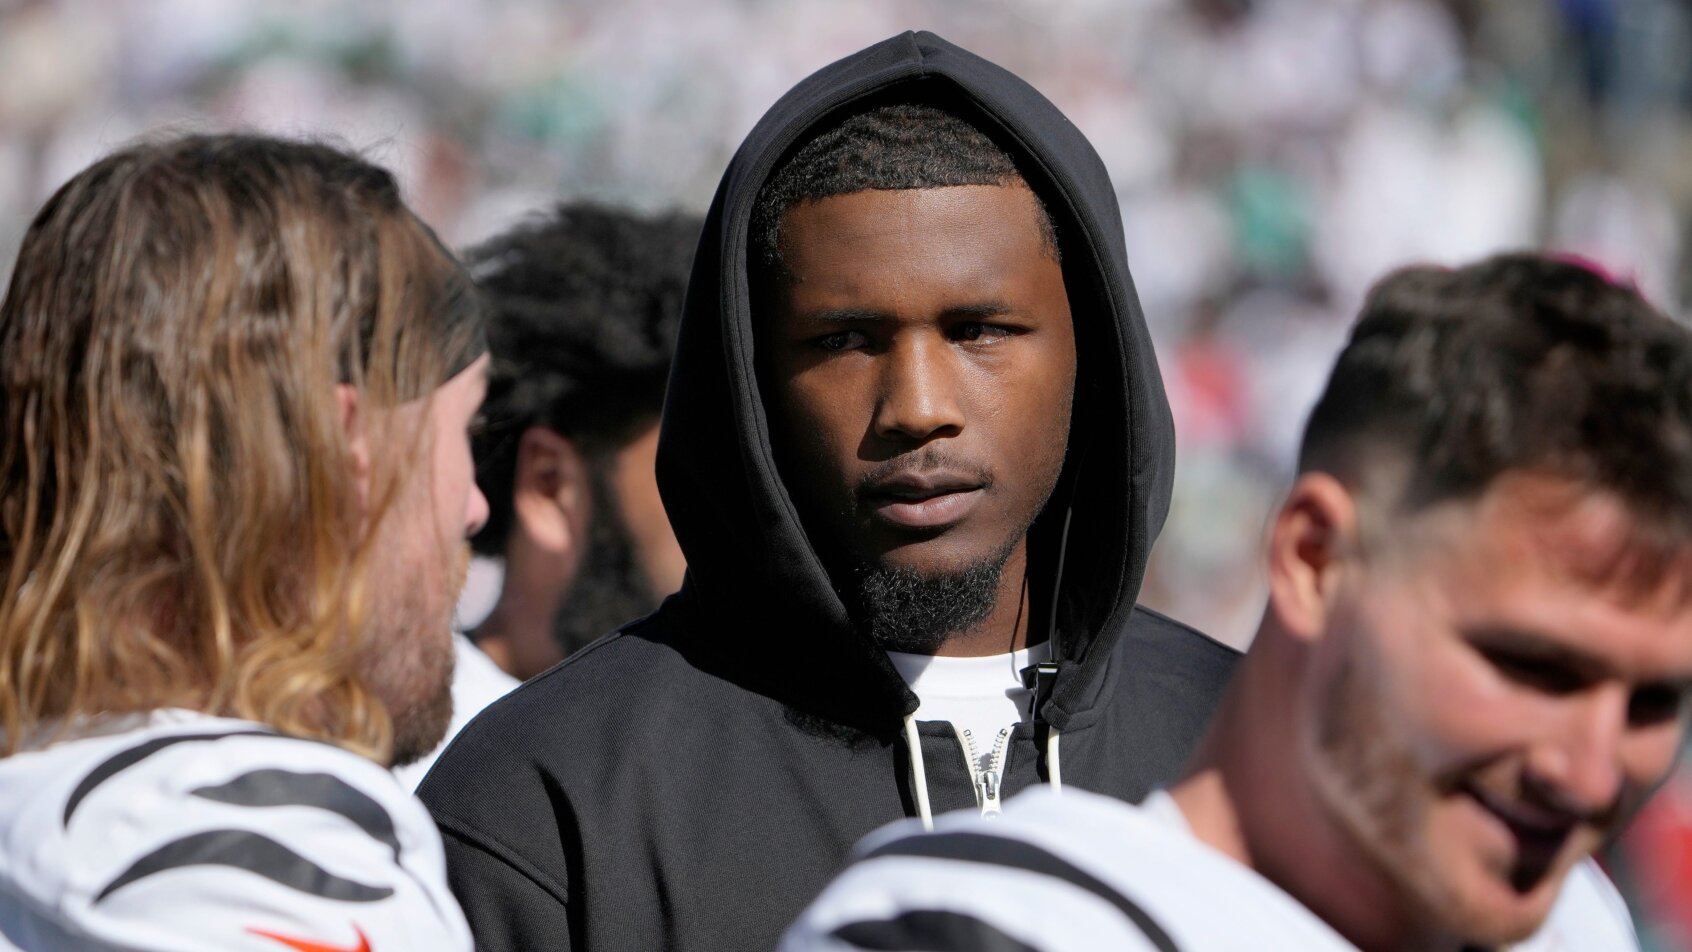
(1079, 871)
(188, 833)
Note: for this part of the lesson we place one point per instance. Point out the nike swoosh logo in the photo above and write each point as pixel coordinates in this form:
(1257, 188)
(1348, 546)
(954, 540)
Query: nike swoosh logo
(305, 945)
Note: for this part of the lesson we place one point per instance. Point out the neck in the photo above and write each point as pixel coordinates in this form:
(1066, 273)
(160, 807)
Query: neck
(1005, 629)
(518, 634)
(1247, 794)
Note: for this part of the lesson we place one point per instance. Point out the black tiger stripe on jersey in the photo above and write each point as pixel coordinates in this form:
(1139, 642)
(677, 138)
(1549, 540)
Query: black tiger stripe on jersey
(1016, 854)
(929, 930)
(253, 852)
(138, 753)
(272, 787)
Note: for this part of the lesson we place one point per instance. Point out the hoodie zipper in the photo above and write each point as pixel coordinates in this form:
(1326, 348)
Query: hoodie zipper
(987, 782)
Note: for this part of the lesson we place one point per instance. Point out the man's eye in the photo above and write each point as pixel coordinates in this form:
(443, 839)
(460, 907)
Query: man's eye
(1547, 676)
(841, 340)
(976, 330)
(1655, 704)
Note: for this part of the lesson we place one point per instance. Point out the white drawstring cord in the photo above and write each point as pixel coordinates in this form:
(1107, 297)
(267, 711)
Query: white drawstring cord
(919, 777)
(1054, 766)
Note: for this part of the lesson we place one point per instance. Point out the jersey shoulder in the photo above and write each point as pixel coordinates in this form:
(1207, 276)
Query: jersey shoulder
(1070, 872)
(194, 832)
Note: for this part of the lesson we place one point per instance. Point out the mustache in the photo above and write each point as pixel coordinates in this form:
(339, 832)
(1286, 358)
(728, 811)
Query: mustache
(926, 460)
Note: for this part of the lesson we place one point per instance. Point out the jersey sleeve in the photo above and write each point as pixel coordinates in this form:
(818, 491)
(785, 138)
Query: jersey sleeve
(255, 843)
(950, 894)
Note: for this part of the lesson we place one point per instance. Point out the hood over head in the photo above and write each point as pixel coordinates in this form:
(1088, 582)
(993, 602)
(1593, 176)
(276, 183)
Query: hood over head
(763, 611)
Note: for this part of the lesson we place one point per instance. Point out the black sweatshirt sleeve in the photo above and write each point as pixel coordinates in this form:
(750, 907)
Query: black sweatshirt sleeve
(510, 908)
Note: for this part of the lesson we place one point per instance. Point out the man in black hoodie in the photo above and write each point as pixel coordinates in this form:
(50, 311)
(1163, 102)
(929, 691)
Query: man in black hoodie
(915, 421)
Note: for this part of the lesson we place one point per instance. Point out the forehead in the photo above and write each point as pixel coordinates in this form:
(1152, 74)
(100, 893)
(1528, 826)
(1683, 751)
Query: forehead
(1540, 555)
(466, 388)
(962, 238)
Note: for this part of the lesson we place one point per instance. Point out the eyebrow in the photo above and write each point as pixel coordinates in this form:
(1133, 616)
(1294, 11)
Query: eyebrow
(844, 315)
(856, 315)
(1538, 647)
(1543, 648)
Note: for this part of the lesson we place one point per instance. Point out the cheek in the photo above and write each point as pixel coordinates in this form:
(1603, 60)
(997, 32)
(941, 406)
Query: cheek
(1032, 391)
(1470, 714)
(449, 481)
(1649, 754)
(821, 418)
(1434, 692)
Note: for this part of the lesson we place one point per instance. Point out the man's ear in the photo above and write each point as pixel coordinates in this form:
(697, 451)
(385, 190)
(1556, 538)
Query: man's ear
(358, 441)
(1312, 536)
(551, 494)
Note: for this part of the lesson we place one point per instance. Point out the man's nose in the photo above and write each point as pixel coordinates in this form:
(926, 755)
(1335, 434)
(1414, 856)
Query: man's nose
(475, 511)
(1579, 765)
(918, 397)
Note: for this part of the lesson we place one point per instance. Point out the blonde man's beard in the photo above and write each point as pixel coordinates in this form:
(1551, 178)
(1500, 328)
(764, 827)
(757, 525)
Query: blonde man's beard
(413, 668)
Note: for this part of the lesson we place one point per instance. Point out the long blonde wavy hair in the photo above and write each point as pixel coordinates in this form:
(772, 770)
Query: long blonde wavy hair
(180, 522)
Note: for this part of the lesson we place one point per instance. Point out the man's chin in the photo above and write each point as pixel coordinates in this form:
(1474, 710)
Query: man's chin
(1483, 907)
(421, 721)
(916, 610)
(420, 729)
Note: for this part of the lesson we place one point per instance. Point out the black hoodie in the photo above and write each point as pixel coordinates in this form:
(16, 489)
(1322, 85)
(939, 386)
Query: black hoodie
(693, 780)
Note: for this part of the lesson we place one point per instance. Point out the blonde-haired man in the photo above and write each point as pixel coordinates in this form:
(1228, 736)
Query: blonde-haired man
(236, 383)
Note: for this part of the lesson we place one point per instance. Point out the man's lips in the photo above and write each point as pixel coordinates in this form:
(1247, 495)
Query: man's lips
(924, 500)
(1539, 832)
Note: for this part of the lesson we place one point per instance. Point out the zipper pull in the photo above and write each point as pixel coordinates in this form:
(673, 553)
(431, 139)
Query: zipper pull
(989, 791)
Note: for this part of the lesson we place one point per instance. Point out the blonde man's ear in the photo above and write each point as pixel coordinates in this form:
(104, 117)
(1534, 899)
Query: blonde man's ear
(358, 441)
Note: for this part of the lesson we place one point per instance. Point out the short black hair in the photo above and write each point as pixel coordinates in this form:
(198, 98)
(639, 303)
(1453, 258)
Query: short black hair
(1519, 363)
(583, 308)
(900, 145)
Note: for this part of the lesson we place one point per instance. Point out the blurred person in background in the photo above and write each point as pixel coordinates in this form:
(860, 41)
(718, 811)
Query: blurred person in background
(237, 385)
(916, 451)
(582, 314)
(583, 310)
(1473, 668)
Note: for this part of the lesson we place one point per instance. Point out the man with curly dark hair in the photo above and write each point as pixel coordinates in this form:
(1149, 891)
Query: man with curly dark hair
(584, 306)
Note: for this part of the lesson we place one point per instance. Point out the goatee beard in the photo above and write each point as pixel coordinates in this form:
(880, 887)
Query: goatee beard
(901, 610)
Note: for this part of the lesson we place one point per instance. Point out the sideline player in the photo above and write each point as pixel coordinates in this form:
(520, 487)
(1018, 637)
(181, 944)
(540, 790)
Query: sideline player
(1473, 666)
(583, 307)
(236, 382)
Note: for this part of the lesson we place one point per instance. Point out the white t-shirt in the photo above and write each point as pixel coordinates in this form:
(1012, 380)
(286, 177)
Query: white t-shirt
(476, 683)
(1079, 871)
(982, 695)
(188, 833)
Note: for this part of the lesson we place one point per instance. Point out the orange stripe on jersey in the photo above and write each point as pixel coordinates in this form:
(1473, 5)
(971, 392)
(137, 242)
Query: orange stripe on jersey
(304, 945)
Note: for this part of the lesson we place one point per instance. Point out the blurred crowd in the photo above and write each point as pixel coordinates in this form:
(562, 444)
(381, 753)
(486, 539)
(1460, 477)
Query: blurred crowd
(1271, 156)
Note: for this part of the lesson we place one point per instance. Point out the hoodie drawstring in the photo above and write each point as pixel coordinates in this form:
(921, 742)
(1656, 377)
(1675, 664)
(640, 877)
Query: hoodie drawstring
(1054, 766)
(919, 776)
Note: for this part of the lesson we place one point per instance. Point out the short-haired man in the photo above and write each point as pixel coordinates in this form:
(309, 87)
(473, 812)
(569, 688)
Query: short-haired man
(583, 308)
(1473, 666)
(915, 446)
(237, 379)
